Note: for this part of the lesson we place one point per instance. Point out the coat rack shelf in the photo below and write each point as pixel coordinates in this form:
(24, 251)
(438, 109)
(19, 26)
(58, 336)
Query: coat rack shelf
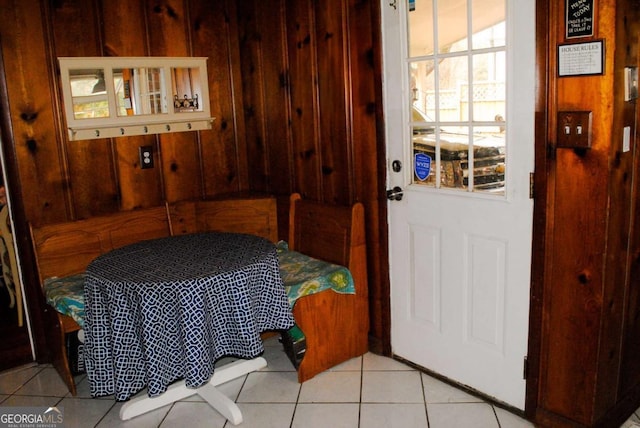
(106, 97)
(91, 133)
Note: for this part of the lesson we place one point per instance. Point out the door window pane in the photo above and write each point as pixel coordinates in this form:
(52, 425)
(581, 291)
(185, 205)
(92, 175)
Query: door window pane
(424, 156)
(488, 159)
(488, 94)
(458, 94)
(423, 86)
(452, 25)
(420, 22)
(453, 87)
(486, 33)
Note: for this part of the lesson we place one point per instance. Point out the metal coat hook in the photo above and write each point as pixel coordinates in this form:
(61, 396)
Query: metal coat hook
(393, 4)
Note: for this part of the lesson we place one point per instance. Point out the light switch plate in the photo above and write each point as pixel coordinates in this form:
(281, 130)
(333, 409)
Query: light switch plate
(574, 129)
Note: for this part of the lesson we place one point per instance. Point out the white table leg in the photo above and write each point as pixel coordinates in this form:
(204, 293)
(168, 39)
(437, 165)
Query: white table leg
(178, 391)
(223, 404)
(143, 404)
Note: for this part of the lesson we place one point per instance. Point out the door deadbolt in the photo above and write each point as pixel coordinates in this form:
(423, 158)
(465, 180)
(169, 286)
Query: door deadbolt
(396, 166)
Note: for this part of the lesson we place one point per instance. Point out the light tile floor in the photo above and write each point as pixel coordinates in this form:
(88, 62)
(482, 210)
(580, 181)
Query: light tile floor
(367, 392)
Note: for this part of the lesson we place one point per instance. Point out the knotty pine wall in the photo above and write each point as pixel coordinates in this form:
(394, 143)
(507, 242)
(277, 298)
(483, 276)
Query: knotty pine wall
(294, 86)
(584, 343)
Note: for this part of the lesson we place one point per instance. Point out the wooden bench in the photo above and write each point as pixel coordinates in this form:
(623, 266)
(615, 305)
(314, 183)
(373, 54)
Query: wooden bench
(65, 249)
(335, 325)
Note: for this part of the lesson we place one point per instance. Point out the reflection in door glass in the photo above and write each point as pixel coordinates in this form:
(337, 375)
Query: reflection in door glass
(488, 159)
(140, 91)
(154, 100)
(458, 96)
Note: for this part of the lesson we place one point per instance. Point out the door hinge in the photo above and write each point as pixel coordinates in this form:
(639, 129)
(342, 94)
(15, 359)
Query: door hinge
(525, 368)
(531, 185)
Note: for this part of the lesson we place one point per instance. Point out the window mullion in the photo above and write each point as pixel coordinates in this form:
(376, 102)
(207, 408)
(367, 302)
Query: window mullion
(470, 167)
(436, 98)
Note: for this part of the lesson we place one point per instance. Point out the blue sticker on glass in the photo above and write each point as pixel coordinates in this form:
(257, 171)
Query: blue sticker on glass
(422, 166)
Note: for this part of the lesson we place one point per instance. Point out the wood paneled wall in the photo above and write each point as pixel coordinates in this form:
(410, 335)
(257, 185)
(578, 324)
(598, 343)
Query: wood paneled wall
(295, 89)
(585, 330)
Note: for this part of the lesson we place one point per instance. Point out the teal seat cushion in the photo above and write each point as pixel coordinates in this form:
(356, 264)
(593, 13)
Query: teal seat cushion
(66, 295)
(303, 275)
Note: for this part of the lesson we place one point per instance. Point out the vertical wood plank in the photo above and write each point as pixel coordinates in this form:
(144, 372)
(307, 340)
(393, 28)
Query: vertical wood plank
(123, 28)
(334, 120)
(138, 188)
(277, 107)
(266, 106)
(69, 21)
(303, 75)
(168, 26)
(364, 91)
(253, 102)
(35, 132)
(223, 152)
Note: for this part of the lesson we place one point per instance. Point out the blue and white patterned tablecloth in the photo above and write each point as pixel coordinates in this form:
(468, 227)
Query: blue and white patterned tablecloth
(166, 309)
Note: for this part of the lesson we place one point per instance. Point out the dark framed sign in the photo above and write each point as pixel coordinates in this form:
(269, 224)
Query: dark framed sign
(579, 18)
(581, 59)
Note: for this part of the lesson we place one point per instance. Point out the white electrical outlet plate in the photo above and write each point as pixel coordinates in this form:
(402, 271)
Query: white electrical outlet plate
(146, 157)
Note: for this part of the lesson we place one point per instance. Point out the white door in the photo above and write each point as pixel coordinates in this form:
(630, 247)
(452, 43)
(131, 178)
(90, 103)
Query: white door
(459, 110)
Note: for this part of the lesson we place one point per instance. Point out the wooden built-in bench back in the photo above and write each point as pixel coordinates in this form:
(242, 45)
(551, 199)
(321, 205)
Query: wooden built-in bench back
(255, 216)
(63, 249)
(67, 248)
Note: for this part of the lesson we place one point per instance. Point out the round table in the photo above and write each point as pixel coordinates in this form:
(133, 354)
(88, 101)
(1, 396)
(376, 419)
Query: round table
(166, 309)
